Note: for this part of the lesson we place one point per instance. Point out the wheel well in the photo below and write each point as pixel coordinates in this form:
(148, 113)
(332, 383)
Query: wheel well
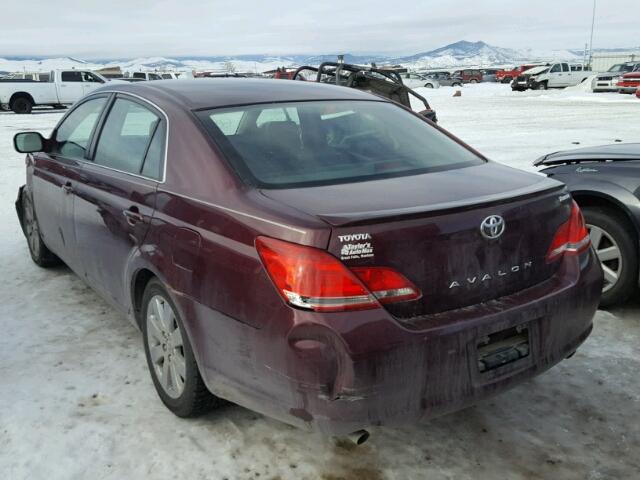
(138, 286)
(594, 201)
(17, 95)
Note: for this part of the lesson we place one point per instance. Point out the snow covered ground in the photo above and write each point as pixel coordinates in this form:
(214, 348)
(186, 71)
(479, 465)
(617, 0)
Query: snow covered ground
(77, 402)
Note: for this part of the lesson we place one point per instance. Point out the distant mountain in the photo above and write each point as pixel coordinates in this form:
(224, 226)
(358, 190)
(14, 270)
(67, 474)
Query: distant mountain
(458, 54)
(465, 51)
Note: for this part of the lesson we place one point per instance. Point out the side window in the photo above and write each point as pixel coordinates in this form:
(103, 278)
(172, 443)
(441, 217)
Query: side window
(72, 136)
(154, 160)
(557, 68)
(72, 76)
(565, 67)
(90, 77)
(126, 136)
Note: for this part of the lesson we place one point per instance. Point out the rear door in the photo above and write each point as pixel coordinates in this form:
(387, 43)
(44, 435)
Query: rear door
(70, 87)
(116, 198)
(56, 175)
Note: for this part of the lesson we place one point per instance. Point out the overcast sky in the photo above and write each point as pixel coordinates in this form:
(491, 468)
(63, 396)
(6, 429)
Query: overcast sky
(130, 28)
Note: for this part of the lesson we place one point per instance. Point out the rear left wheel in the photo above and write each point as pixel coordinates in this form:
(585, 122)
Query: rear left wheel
(170, 357)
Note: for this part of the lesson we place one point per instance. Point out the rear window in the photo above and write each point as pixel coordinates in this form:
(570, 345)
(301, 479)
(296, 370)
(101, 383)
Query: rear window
(288, 145)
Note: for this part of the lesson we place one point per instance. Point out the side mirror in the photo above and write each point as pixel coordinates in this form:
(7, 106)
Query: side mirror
(28, 142)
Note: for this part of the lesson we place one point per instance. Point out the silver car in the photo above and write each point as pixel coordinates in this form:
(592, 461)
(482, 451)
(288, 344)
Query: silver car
(445, 79)
(607, 81)
(415, 80)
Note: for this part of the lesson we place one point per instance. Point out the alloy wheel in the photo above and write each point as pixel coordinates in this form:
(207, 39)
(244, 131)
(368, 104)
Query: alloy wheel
(609, 255)
(165, 346)
(31, 228)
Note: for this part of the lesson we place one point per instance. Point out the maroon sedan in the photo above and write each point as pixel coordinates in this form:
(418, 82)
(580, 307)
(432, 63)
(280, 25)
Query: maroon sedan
(312, 252)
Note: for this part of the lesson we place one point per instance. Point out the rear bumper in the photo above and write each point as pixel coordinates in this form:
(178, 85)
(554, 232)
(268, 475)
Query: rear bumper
(367, 369)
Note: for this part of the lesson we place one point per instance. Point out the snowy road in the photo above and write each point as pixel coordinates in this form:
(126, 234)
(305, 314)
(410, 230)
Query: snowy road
(77, 402)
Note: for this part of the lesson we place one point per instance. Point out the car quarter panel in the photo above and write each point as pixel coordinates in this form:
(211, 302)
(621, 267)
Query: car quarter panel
(346, 371)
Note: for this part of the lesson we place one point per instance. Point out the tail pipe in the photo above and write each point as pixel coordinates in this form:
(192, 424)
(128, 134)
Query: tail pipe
(358, 437)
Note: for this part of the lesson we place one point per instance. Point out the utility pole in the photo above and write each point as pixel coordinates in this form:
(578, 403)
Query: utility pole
(593, 22)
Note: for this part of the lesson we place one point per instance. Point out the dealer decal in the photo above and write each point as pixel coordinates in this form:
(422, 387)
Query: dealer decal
(355, 245)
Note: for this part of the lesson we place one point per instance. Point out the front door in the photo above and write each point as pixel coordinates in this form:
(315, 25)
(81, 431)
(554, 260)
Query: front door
(116, 198)
(90, 82)
(70, 87)
(555, 76)
(56, 174)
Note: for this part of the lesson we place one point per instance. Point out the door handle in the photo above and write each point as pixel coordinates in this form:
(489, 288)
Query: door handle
(133, 216)
(67, 188)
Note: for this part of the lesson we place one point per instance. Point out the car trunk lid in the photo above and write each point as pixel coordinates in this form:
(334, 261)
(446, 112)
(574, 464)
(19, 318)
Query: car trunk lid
(428, 228)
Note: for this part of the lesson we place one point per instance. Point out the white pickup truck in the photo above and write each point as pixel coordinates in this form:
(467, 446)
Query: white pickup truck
(559, 75)
(63, 88)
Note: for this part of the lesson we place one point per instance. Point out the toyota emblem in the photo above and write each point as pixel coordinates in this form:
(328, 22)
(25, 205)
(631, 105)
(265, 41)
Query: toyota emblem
(492, 227)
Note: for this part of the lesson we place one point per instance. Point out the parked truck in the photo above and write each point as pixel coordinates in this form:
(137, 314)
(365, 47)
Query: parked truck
(64, 88)
(559, 75)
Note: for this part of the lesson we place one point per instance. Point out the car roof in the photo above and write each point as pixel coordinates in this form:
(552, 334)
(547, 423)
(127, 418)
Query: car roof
(615, 151)
(203, 93)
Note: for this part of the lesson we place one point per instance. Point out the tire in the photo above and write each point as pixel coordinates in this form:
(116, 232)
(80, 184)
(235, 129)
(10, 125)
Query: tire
(22, 105)
(428, 85)
(507, 80)
(170, 356)
(541, 86)
(473, 80)
(40, 254)
(613, 231)
(456, 84)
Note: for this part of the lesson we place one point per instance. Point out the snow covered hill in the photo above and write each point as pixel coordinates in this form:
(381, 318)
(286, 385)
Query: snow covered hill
(480, 54)
(458, 54)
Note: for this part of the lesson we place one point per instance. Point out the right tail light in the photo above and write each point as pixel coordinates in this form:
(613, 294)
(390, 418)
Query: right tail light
(571, 238)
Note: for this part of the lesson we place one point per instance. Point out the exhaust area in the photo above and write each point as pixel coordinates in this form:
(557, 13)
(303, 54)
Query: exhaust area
(358, 437)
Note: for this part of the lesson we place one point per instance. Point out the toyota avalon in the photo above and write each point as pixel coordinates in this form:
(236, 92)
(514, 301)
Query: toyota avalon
(312, 252)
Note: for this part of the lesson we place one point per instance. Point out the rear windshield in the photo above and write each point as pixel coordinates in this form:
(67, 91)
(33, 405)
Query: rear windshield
(288, 145)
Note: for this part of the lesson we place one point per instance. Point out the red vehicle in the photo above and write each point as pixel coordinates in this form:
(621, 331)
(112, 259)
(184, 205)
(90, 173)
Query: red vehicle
(315, 253)
(629, 82)
(469, 75)
(284, 73)
(507, 76)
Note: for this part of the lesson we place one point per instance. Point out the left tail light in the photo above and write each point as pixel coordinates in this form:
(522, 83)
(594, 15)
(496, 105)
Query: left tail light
(313, 279)
(571, 238)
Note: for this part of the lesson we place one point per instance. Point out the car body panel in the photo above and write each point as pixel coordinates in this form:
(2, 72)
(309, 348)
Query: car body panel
(340, 371)
(608, 172)
(50, 180)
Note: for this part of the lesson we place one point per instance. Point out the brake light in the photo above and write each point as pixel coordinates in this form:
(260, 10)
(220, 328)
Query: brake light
(387, 285)
(313, 279)
(571, 238)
